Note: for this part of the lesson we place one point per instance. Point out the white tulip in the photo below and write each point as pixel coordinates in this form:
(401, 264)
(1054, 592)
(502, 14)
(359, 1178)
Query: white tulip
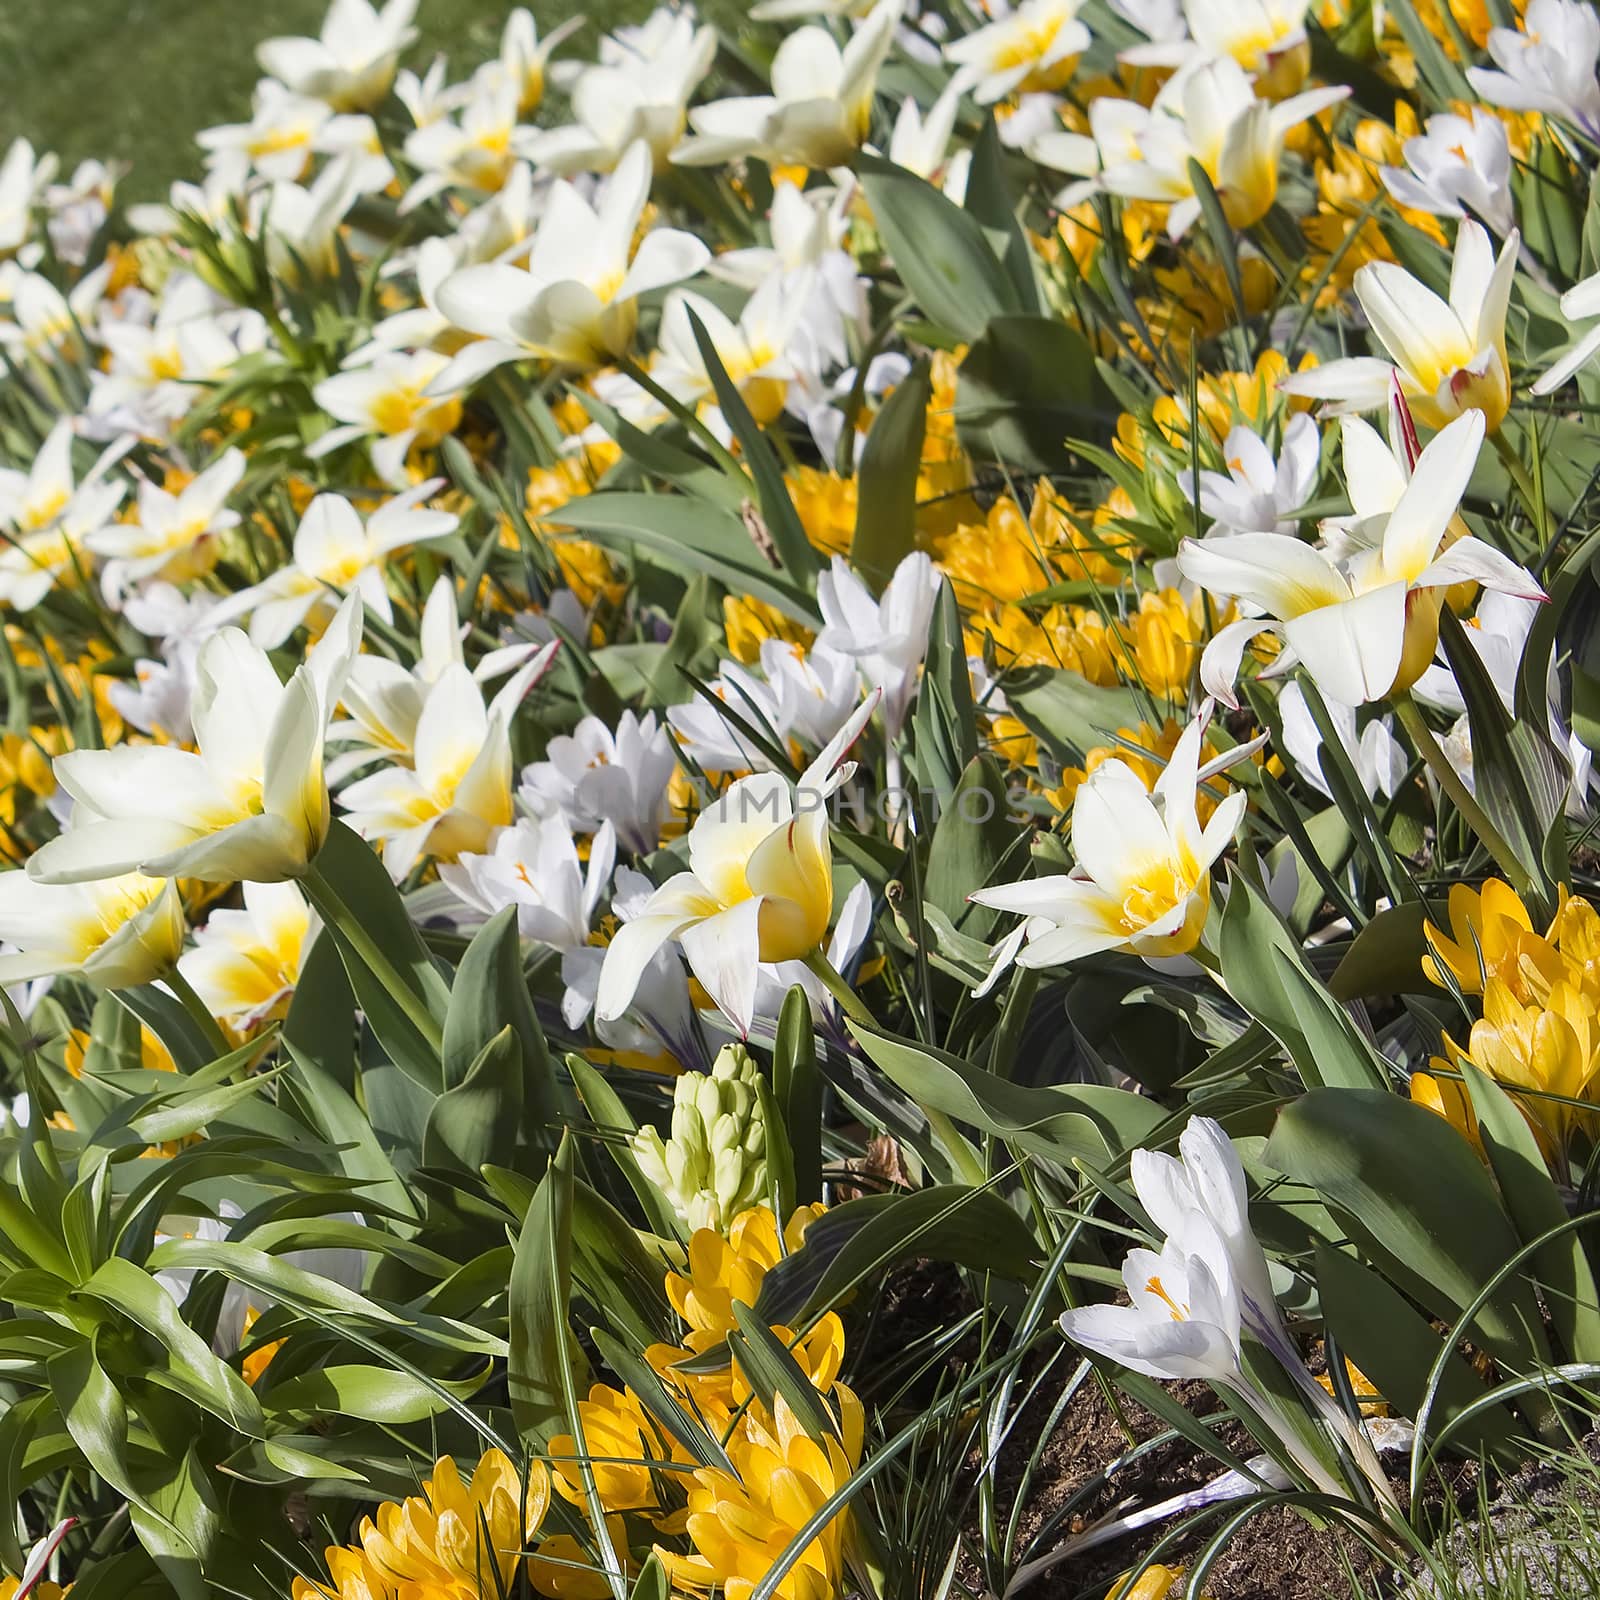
(639, 91)
(1449, 355)
(352, 63)
(388, 400)
(116, 933)
(1212, 114)
(277, 141)
(250, 805)
(245, 964)
(1362, 613)
(458, 789)
(820, 109)
(759, 887)
(1032, 50)
(577, 301)
(175, 537)
(22, 178)
(1142, 879)
(336, 552)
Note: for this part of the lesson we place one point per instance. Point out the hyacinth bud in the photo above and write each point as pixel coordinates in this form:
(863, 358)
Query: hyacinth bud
(714, 1165)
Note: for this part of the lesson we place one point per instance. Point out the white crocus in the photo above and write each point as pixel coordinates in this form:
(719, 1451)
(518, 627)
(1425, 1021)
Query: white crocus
(77, 209)
(162, 691)
(1258, 494)
(1497, 633)
(457, 790)
(175, 536)
(1581, 303)
(387, 400)
(1362, 613)
(1206, 1180)
(1450, 355)
(1546, 65)
(533, 865)
(1380, 762)
(1210, 114)
(1457, 165)
(759, 887)
(639, 91)
(249, 805)
(887, 637)
(817, 689)
(714, 741)
(22, 179)
(820, 110)
(1182, 1320)
(277, 141)
(1200, 1203)
(337, 552)
(577, 301)
(1032, 50)
(352, 63)
(116, 933)
(597, 776)
(1142, 877)
(245, 964)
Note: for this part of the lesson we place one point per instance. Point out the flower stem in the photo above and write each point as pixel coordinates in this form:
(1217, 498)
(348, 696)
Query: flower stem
(944, 1130)
(339, 918)
(1518, 473)
(848, 1000)
(1411, 718)
(199, 1011)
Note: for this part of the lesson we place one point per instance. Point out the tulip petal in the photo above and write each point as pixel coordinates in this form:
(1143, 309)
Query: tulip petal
(1430, 500)
(1353, 650)
(723, 952)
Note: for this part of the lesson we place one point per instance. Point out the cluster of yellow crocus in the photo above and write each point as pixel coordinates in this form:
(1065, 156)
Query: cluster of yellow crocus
(457, 1541)
(454, 1541)
(1539, 1034)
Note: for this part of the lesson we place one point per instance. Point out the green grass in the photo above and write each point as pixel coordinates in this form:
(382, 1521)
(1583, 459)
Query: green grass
(134, 79)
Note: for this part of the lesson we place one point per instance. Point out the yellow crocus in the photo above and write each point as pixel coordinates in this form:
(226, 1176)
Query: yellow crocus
(740, 1522)
(454, 1541)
